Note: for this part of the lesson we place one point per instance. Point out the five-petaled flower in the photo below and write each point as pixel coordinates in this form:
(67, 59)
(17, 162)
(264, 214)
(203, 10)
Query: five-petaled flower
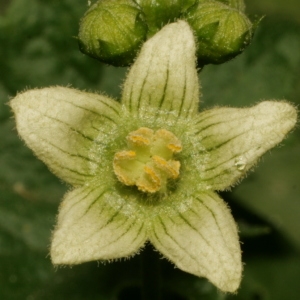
(146, 168)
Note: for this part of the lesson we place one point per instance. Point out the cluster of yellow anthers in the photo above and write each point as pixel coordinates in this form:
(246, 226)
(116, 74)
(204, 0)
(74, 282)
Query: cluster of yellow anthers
(149, 163)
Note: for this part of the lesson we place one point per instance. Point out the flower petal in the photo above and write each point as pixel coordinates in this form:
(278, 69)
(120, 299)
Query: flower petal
(60, 124)
(235, 138)
(202, 240)
(164, 76)
(89, 228)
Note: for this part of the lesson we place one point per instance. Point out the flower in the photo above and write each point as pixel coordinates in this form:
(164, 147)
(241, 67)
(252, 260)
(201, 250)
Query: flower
(146, 168)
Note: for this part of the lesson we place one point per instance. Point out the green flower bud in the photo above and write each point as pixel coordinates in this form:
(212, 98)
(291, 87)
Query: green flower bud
(112, 31)
(222, 32)
(158, 13)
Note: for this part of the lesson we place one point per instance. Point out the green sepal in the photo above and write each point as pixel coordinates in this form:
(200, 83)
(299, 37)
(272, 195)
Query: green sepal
(208, 31)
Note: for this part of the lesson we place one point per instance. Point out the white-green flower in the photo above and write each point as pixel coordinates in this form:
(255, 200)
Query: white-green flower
(146, 169)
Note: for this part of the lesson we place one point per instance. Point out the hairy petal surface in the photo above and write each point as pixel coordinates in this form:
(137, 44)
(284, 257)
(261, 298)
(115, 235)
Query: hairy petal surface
(235, 138)
(89, 228)
(202, 240)
(164, 76)
(60, 124)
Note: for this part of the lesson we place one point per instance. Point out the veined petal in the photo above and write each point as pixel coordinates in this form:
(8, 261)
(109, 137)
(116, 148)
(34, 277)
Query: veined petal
(89, 228)
(202, 240)
(164, 76)
(235, 138)
(60, 124)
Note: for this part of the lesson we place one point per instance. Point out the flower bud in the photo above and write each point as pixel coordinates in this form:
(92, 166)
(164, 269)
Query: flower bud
(112, 31)
(158, 13)
(222, 32)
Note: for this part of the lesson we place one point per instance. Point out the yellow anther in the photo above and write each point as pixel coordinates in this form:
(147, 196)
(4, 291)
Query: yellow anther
(139, 140)
(153, 176)
(160, 161)
(165, 134)
(124, 178)
(140, 137)
(172, 142)
(151, 163)
(150, 182)
(121, 164)
(175, 148)
(171, 167)
(144, 131)
(122, 155)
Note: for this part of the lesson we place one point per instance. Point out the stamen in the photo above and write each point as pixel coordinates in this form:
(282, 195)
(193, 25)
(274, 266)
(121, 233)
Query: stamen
(150, 164)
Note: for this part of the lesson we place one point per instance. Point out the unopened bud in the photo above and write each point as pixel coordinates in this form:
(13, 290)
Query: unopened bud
(222, 32)
(112, 31)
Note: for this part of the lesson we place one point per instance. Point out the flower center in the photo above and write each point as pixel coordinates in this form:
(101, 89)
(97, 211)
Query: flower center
(149, 162)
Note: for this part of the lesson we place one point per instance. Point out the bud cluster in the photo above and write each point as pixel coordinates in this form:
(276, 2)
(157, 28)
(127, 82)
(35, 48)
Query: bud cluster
(113, 31)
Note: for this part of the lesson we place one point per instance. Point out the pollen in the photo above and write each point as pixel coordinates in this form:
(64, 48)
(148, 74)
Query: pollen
(149, 163)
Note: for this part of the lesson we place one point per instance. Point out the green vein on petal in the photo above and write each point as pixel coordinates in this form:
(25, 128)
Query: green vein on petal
(235, 138)
(60, 125)
(164, 76)
(89, 228)
(202, 240)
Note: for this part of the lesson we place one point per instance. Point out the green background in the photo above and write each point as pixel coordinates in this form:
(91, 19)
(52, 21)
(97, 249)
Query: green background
(38, 48)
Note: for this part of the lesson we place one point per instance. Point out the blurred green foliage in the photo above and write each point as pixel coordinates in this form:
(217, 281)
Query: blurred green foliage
(38, 48)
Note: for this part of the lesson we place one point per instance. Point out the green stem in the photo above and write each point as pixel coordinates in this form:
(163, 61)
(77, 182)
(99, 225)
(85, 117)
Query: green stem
(151, 274)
